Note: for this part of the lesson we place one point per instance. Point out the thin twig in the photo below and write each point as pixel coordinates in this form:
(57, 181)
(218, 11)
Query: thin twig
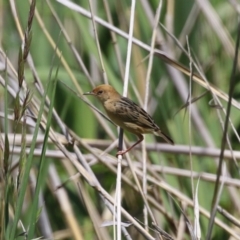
(219, 171)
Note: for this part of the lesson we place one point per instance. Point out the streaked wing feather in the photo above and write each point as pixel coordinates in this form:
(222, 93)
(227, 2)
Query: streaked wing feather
(135, 114)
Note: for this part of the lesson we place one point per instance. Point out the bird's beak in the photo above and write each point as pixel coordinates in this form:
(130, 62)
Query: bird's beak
(89, 93)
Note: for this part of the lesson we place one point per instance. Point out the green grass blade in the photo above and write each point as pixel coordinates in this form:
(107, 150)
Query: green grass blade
(43, 164)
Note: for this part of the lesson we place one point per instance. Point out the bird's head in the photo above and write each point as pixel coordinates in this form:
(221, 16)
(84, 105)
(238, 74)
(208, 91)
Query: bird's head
(104, 92)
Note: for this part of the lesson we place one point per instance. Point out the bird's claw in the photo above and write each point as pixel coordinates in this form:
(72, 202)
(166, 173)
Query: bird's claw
(120, 153)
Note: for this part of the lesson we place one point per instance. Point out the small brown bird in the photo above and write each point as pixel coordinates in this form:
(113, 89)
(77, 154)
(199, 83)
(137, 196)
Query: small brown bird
(127, 114)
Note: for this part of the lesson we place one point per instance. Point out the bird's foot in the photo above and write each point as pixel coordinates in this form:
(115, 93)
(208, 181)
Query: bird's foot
(120, 153)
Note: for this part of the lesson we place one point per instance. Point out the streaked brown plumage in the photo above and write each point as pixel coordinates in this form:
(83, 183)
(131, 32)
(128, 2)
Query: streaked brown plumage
(127, 114)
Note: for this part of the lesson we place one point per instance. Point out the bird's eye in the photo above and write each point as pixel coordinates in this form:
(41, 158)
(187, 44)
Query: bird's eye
(100, 92)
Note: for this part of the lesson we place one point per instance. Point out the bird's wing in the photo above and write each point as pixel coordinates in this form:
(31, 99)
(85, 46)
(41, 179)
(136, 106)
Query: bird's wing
(132, 113)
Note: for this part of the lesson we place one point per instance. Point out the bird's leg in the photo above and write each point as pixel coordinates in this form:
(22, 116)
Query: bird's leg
(127, 150)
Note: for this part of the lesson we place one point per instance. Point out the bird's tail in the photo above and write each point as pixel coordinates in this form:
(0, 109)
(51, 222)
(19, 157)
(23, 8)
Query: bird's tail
(164, 136)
